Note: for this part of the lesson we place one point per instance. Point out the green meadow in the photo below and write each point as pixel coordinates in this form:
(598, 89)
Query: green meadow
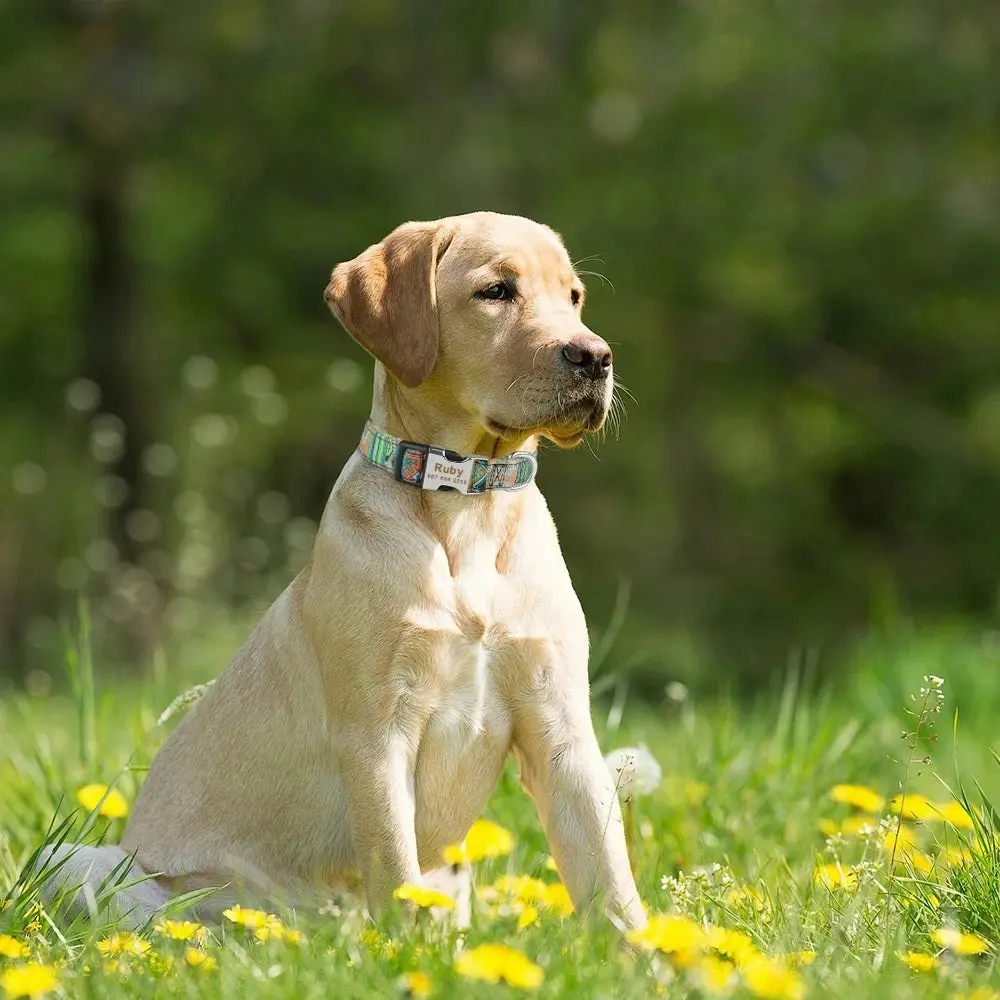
(819, 840)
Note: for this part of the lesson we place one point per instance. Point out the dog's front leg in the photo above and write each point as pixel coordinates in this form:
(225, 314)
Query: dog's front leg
(377, 778)
(564, 772)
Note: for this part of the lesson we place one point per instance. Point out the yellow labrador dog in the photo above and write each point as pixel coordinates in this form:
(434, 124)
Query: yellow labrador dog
(364, 723)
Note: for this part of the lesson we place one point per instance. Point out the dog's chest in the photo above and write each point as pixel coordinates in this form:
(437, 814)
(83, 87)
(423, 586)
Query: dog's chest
(457, 629)
(461, 749)
(453, 686)
(456, 692)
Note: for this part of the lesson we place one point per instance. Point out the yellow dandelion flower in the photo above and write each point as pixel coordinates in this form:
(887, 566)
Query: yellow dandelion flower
(836, 876)
(114, 805)
(513, 893)
(915, 807)
(31, 980)
(272, 929)
(955, 814)
(181, 930)
(264, 926)
(713, 974)
(485, 839)
(200, 960)
(123, 943)
(829, 827)
(918, 961)
(252, 919)
(669, 933)
(505, 901)
(550, 864)
(424, 897)
(859, 797)
(685, 958)
(980, 993)
(734, 944)
(12, 948)
(415, 984)
(556, 898)
(772, 979)
(496, 962)
(522, 887)
(962, 944)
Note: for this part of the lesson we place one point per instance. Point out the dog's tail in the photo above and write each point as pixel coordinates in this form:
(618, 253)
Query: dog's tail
(99, 881)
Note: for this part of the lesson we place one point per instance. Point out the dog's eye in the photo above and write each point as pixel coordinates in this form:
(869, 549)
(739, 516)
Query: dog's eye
(497, 291)
(575, 296)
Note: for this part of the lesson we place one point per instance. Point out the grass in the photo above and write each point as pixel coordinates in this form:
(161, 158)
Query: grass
(741, 835)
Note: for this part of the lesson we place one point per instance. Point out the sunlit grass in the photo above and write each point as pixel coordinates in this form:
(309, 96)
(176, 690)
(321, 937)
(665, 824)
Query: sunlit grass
(793, 848)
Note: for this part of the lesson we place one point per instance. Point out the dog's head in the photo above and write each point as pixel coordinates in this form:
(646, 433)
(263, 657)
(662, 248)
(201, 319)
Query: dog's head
(480, 312)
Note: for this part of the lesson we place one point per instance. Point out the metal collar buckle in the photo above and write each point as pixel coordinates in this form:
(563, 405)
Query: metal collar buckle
(430, 468)
(447, 471)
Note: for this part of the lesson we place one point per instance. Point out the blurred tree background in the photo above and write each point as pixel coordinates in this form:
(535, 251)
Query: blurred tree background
(797, 205)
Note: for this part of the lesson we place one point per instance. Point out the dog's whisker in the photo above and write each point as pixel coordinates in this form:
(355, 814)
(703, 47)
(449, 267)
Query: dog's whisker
(518, 379)
(621, 387)
(619, 406)
(611, 422)
(603, 277)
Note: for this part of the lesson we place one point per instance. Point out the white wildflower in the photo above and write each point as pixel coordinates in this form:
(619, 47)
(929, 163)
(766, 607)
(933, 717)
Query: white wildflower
(635, 770)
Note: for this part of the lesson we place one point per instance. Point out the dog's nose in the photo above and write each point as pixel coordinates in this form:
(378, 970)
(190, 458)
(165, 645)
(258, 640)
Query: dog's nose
(589, 355)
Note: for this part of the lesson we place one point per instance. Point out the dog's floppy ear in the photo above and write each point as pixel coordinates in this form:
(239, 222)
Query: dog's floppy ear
(386, 298)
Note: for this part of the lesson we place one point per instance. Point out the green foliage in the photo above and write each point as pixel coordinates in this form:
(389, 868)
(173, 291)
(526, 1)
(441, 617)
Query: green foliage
(797, 208)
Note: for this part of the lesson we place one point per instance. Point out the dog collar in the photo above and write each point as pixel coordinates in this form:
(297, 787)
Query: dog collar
(431, 468)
